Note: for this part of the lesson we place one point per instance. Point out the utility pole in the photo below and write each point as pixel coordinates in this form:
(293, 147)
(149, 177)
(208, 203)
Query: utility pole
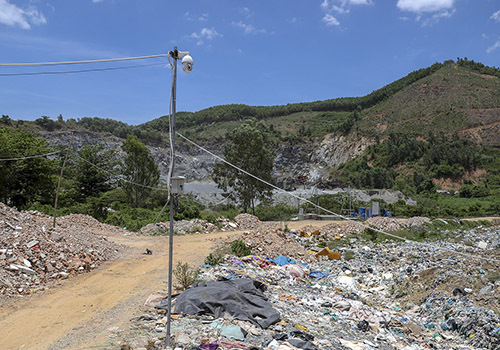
(174, 55)
(59, 181)
(174, 185)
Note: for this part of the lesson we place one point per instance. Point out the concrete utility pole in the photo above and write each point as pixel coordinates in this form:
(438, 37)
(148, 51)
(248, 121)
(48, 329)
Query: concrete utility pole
(175, 184)
(59, 181)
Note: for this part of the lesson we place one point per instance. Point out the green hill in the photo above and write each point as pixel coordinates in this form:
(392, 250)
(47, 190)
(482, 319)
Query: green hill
(451, 97)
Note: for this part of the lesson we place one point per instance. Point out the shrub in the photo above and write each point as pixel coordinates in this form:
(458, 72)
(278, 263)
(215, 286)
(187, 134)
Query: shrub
(239, 248)
(185, 275)
(214, 259)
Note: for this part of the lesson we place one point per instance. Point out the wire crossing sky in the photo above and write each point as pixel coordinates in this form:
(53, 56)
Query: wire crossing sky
(252, 52)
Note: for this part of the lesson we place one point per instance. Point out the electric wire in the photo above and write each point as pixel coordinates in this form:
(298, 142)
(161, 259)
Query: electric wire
(82, 61)
(338, 215)
(79, 71)
(121, 179)
(33, 156)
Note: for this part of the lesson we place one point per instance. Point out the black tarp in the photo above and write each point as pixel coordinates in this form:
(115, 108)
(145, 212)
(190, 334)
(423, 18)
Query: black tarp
(242, 298)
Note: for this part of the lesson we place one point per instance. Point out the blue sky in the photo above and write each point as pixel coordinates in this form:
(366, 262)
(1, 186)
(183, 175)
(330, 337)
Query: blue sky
(261, 52)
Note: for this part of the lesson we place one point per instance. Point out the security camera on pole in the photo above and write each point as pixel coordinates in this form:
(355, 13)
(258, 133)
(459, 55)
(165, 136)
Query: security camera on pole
(175, 185)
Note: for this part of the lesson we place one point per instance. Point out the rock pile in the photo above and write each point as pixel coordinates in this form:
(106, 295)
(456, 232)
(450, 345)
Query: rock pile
(33, 254)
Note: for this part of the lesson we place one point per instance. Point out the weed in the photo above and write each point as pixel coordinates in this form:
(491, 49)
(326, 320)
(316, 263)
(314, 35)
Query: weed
(195, 229)
(348, 255)
(370, 234)
(493, 276)
(214, 259)
(286, 229)
(185, 274)
(239, 248)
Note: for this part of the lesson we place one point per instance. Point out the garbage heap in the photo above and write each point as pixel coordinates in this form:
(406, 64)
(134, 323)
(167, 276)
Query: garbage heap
(394, 295)
(194, 226)
(33, 255)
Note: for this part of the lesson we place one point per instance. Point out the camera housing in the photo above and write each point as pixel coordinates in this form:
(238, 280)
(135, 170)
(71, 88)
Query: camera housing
(187, 64)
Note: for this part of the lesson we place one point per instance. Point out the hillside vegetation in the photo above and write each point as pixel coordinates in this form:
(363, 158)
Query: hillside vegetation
(436, 128)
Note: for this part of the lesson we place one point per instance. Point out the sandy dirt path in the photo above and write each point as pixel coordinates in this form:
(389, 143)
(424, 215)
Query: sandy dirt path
(78, 314)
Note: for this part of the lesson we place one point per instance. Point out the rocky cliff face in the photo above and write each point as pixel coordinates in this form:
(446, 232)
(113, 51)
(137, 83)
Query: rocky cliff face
(337, 149)
(312, 160)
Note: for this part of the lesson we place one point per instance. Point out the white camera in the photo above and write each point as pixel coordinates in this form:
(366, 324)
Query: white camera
(187, 64)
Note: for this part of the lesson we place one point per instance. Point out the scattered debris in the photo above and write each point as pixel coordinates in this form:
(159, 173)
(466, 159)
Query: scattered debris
(389, 295)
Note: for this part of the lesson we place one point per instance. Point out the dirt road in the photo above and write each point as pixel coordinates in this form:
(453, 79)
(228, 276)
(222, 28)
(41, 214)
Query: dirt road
(78, 314)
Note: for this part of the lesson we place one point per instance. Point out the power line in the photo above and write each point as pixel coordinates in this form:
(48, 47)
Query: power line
(34, 156)
(123, 180)
(331, 212)
(81, 62)
(80, 71)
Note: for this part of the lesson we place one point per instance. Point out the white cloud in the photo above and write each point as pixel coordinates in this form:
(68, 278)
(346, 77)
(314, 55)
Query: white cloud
(422, 6)
(245, 11)
(493, 47)
(496, 16)
(12, 15)
(194, 17)
(436, 9)
(330, 20)
(248, 28)
(205, 34)
(96, 1)
(437, 16)
(340, 7)
(361, 2)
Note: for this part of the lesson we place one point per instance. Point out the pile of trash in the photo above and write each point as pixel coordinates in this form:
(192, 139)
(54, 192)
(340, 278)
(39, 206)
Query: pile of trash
(225, 224)
(270, 241)
(416, 223)
(247, 221)
(393, 295)
(33, 255)
(342, 228)
(384, 223)
(185, 227)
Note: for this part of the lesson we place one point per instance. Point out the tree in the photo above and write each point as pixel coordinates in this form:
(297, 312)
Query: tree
(251, 148)
(25, 181)
(91, 181)
(138, 167)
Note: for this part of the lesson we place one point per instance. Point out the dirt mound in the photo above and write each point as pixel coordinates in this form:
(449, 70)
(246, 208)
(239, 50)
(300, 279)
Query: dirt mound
(33, 255)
